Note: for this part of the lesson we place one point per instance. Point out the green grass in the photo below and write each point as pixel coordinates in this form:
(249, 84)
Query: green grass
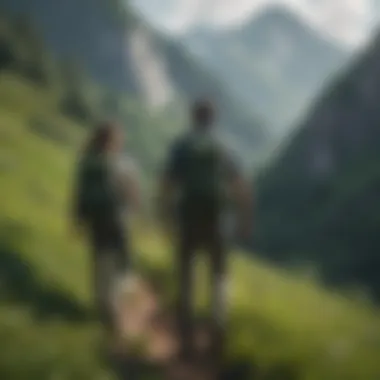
(284, 322)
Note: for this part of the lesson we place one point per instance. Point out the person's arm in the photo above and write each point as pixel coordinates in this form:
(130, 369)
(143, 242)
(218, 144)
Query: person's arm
(242, 195)
(130, 184)
(168, 183)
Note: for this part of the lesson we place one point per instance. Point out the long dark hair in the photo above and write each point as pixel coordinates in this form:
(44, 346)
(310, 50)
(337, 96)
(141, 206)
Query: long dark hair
(100, 138)
(96, 145)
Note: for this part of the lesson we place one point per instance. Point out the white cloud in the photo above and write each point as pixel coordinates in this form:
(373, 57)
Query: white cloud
(349, 21)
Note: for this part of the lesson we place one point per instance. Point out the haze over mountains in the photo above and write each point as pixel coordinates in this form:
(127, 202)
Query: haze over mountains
(262, 76)
(275, 63)
(348, 22)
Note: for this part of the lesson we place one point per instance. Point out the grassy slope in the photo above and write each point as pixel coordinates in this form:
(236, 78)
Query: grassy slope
(280, 321)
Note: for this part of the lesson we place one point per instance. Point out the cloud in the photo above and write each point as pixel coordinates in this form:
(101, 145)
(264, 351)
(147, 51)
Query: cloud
(348, 21)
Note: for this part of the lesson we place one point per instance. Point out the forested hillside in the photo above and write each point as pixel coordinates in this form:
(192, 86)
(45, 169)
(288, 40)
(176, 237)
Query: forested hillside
(319, 200)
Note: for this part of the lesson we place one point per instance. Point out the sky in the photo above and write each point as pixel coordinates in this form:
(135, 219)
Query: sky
(349, 22)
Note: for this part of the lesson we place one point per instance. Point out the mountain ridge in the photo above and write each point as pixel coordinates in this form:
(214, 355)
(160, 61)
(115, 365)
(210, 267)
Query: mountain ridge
(275, 62)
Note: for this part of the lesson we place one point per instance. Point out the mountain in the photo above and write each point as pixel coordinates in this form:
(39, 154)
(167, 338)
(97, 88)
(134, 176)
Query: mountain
(319, 199)
(275, 62)
(116, 56)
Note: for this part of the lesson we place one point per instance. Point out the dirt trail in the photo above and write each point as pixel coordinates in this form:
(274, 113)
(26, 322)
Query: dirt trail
(143, 322)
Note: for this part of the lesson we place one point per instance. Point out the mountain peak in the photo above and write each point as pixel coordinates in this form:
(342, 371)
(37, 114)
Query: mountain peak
(276, 60)
(278, 12)
(282, 19)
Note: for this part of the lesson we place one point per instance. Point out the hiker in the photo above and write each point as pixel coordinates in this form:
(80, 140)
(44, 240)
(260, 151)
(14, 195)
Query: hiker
(199, 179)
(106, 192)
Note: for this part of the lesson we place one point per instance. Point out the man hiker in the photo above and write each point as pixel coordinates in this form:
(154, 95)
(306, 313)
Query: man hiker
(106, 193)
(201, 178)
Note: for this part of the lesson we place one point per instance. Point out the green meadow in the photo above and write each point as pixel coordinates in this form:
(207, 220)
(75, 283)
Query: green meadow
(283, 323)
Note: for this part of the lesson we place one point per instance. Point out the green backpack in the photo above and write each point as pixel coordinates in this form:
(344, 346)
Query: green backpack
(202, 169)
(98, 196)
